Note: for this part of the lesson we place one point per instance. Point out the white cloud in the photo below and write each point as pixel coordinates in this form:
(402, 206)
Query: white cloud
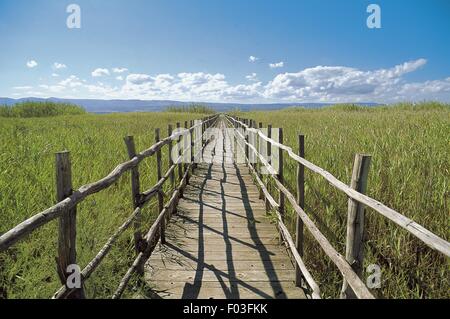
(119, 78)
(100, 72)
(32, 64)
(22, 87)
(138, 78)
(316, 84)
(339, 83)
(72, 81)
(119, 70)
(59, 66)
(276, 65)
(252, 77)
(252, 59)
(52, 88)
(55, 75)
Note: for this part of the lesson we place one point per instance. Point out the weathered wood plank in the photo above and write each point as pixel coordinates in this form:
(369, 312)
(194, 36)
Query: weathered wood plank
(227, 290)
(221, 234)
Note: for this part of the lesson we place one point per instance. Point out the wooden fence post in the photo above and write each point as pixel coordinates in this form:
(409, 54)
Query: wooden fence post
(192, 145)
(269, 161)
(354, 249)
(258, 166)
(135, 193)
(172, 175)
(160, 193)
(299, 235)
(280, 177)
(186, 146)
(179, 148)
(67, 254)
(246, 145)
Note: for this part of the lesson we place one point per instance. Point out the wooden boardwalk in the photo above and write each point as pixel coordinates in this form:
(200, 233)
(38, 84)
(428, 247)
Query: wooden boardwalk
(220, 243)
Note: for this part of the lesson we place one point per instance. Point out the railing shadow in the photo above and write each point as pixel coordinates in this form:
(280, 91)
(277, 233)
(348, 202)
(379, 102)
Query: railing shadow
(262, 250)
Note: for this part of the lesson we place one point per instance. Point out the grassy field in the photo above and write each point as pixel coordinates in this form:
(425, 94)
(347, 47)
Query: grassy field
(40, 109)
(27, 148)
(410, 172)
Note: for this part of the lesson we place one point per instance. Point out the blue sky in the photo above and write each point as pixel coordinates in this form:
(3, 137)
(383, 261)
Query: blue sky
(200, 50)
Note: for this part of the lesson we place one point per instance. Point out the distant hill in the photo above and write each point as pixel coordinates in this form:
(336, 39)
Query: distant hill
(112, 106)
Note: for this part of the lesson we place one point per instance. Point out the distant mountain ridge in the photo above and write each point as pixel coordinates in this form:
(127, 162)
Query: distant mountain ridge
(112, 106)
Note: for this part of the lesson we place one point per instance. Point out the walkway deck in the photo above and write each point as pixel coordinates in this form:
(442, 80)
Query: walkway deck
(220, 244)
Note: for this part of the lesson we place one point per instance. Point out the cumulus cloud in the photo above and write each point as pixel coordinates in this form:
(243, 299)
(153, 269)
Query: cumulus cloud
(252, 59)
(119, 70)
(58, 66)
(100, 72)
(252, 77)
(315, 84)
(72, 81)
(32, 64)
(339, 83)
(276, 65)
(25, 87)
(138, 79)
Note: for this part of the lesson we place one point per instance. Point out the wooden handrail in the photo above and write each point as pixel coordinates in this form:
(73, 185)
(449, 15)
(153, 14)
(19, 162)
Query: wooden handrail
(64, 292)
(307, 275)
(152, 236)
(430, 239)
(352, 278)
(26, 227)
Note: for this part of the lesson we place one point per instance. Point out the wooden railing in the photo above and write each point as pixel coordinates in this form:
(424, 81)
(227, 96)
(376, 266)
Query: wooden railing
(350, 266)
(68, 200)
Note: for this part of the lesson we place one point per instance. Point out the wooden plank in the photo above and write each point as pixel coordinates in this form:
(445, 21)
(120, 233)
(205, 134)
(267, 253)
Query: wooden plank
(220, 234)
(226, 290)
(209, 275)
(222, 265)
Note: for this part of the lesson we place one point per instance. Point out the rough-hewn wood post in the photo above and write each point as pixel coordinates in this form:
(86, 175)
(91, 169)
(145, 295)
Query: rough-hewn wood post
(135, 193)
(258, 162)
(280, 177)
(354, 249)
(172, 175)
(299, 235)
(186, 146)
(192, 144)
(67, 254)
(246, 145)
(160, 193)
(269, 161)
(203, 131)
(179, 148)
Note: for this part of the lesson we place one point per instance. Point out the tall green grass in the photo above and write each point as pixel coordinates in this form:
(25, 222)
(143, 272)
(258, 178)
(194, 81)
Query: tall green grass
(192, 108)
(410, 172)
(27, 186)
(40, 109)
